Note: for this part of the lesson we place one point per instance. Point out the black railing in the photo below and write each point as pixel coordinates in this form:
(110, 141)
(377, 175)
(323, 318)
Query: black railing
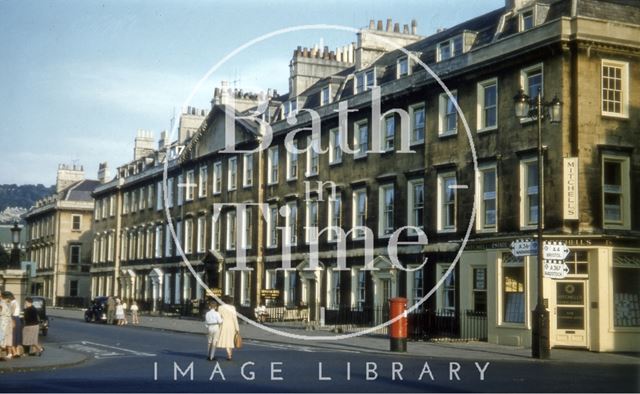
(421, 325)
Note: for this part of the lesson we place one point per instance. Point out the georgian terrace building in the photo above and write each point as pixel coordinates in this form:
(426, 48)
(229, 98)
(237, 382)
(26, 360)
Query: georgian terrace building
(584, 51)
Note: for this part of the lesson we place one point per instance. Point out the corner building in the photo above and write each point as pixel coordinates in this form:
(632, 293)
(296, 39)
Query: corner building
(585, 52)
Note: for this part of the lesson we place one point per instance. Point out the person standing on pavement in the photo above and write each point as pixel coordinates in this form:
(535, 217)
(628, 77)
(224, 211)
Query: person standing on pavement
(213, 320)
(124, 307)
(5, 324)
(119, 313)
(111, 310)
(17, 325)
(31, 328)
(134, 313)
(229, 327)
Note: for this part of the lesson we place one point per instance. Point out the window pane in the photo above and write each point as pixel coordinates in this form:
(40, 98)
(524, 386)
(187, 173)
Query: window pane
(513, 294)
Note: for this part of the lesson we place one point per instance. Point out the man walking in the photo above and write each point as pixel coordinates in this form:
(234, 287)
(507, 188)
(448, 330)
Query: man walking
(213, 321)
(111, 310)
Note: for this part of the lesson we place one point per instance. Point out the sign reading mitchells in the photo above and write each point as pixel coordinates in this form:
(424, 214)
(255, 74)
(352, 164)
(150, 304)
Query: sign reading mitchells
(270, 293)
(570, 184)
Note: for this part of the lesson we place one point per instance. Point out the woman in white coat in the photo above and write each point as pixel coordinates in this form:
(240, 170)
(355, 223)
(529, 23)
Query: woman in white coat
(229, 327)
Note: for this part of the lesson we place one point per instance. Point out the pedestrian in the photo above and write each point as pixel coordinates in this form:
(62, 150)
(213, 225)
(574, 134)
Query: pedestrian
(5, 327)
(6, 324)
(124, 307)
(119, 313)
(229, 327)
(31, 328)
(134, 313)
(213, 320)
(111, 310)
(17, 325)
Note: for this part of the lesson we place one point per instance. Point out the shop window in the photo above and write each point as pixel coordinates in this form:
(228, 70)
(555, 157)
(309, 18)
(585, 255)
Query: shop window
(513, 285)
(578, 262)
(626, 289)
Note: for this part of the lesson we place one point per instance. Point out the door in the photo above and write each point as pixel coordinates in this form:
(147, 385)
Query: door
(570, 320)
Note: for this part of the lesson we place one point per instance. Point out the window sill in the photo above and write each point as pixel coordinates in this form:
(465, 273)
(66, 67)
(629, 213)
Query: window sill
(529, 227)
(310, 175)
(616, 227)
(625, 329)
(448, 134)
(416, 143)
(447, 231)
(359, 157)
(247, 186)
(487, 130)
(486, 230)
(272, 183)
(335, 163)
(613, 115)
(521, 326)
(292, 179)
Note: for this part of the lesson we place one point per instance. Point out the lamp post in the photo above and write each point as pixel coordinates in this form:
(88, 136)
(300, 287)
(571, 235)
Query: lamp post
(538, 109)
(14, 262)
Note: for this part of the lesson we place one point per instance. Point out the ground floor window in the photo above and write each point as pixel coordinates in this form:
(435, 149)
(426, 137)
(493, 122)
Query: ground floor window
(513, 303)
(291, 287)
(73, 288)
(480, 289)
(245, 296)
(626, 289)
(333, 289)
(446, 301)
(229, 283)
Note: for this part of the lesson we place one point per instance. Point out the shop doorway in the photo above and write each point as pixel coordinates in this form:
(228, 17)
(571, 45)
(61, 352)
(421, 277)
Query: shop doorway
(569, 322)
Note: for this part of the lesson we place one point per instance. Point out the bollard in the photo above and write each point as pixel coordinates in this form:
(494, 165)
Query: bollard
(398, 329)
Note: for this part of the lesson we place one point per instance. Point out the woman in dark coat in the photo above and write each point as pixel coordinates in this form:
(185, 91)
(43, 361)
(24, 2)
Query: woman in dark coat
(31, 327)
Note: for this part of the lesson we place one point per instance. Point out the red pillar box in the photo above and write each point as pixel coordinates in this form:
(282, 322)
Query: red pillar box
(398, 329)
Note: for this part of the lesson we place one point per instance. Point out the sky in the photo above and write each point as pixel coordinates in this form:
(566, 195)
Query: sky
(78, 78)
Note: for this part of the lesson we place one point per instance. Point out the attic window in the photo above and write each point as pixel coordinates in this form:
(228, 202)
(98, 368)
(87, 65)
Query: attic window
(365, 80)
(290, 107)
(526, 20)
(450, 48)
(402, 67)
(325, 95)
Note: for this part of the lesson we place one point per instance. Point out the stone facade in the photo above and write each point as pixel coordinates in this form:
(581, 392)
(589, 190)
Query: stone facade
(483, 164)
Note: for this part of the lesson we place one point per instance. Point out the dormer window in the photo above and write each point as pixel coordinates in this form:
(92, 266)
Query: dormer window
(526, 20)
(325, 95)
(450, 48)
(290, 107)
(365, 80)
(402, 67)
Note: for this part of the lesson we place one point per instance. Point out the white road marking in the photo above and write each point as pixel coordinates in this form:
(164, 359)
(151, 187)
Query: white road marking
(101, 351)
(298, 347)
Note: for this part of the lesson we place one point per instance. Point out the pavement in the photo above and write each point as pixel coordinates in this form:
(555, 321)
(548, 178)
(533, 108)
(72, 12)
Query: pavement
(58, 357)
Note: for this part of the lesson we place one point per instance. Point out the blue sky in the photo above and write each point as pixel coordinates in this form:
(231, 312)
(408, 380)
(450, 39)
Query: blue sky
(79, 78)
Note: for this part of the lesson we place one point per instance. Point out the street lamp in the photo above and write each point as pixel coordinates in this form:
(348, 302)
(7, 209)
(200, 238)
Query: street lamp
(536, 108)
(14, 262)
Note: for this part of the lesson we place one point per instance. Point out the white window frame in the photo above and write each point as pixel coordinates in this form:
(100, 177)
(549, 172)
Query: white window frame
(159, 196)
(335, 151)
(201, 236)
(158, 241)
(273, 165)
(291, 226)
(524, 83)
(333, 291)
(357, 143)
(624, 104)
(79, 248)
(411, 204)
(313, 155)
(325, 95)
(412, 297)
(522, 17)
(369, 79)
(272, 226)
(245, 288)
(443, 227)
(452, 48)
(481, 107)
(232, 173)
(481, 197)
(150, 196)
(217, 178)
(180, 189)
(203, 180)
(125, 203)
(386, 229)
(331, 215)
(216, 232)
(247, 170)
(170, 182)
(388, 143)
(399, 73)
(625, 192)
(525, 223)
(232, 222)
(247, 225)
(358, 234)
(412, 110)
(311, 203)
(441, 305)
(168, 241)
(73, 217)
(292, 163)
(112, 205)
(188, 236)
(443, 113)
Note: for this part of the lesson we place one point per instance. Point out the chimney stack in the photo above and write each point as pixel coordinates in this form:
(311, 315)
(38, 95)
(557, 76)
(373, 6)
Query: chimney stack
(143, 145)
(68, 175)
(414, 27)
(389, 24)
(372, 24)
(103, 172)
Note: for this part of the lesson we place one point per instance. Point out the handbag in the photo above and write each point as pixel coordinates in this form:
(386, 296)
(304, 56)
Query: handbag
(237, 340)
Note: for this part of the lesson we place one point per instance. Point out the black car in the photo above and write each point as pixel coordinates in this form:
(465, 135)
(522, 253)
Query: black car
(40, 303)
(97, 312)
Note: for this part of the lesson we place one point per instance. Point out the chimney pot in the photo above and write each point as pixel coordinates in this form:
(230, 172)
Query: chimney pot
(414, 26)
(396, 28)
(405, 29)
(389, 24)
(372, 24)
(380, 25)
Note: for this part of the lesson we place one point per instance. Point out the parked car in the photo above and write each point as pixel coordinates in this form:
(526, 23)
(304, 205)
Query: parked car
(40, 303)
(97, 312)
